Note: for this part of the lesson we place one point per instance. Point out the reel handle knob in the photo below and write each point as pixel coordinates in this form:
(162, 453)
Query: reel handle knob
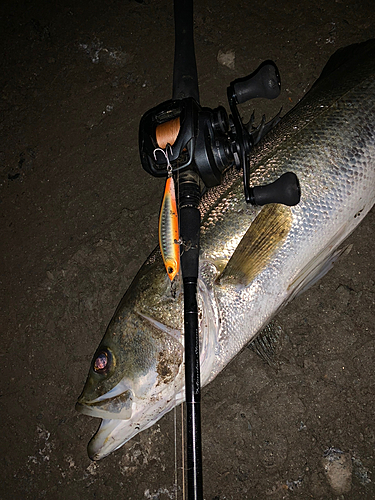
(284, 190)
(264, 82)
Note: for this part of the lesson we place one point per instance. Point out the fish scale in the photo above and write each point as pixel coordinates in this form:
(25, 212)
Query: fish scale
(333, 191)
(253, 260)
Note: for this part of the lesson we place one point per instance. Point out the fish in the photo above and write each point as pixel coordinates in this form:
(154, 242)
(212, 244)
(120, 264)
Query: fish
(253, 260)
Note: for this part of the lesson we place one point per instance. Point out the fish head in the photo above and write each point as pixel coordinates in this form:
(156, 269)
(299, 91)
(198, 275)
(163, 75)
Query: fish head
(149, 359)
(136, 374)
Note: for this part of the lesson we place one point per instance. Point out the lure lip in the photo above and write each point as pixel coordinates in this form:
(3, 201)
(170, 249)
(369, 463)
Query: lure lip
(172, 267)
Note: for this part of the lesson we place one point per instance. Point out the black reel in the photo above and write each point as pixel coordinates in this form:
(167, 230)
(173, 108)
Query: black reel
(209, 141)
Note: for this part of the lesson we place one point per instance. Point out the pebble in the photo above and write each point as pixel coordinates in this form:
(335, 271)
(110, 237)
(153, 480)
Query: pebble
(338, 469)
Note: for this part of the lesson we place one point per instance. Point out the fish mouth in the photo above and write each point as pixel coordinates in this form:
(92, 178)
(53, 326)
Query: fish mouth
(118, 406)
(117, 403)
(110, 436)
(113, 433)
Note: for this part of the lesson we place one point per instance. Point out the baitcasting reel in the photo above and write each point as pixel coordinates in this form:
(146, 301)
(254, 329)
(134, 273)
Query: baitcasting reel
(208, 141)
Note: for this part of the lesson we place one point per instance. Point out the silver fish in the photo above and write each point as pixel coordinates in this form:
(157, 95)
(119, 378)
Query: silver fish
(253, 260)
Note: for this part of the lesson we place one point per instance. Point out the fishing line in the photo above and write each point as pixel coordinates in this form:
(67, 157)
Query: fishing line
(167, 146)
(183, 452)
(182, 404)
(175, 452)
(166, 133)
(177, 468)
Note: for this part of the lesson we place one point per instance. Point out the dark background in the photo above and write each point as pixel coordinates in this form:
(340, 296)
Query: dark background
(79, 217)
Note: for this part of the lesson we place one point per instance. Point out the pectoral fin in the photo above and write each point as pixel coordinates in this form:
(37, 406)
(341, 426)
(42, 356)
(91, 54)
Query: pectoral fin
(264, 237)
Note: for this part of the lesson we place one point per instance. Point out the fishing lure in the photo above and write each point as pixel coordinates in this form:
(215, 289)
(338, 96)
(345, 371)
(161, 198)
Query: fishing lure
(168, 227)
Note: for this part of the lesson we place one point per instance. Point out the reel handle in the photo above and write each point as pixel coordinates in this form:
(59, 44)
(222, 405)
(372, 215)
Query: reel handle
(264, 82)
(285, 190)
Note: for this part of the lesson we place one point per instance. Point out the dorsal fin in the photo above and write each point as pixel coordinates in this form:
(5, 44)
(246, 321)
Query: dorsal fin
(352, 55)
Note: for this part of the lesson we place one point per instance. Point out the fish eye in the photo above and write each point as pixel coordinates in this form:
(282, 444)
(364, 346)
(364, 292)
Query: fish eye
(102, 361)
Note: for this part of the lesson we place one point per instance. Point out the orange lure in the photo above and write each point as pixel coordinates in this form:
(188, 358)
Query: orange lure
(168, 230)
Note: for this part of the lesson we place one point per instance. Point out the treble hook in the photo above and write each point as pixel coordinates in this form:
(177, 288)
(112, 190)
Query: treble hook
(165, 154)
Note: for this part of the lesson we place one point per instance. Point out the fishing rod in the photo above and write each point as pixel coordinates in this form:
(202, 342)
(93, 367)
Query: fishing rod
(194, 146)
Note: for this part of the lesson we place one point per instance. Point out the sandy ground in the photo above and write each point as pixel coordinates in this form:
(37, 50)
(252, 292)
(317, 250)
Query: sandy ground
(79, 216)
